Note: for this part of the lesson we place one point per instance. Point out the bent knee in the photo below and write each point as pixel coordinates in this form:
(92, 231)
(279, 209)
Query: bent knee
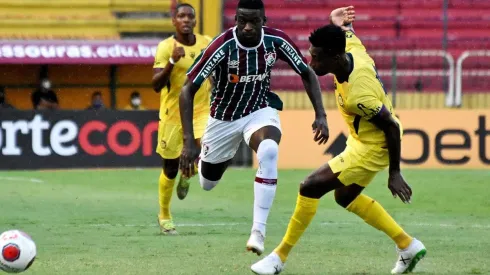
(344, 196)
(268, 150)
(170, 172)
(206, 184)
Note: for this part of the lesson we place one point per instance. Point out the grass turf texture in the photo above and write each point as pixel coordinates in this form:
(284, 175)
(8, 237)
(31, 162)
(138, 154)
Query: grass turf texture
(104, 222)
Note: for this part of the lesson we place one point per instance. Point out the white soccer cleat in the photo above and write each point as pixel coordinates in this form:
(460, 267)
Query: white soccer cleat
(409, 257)
(256, 242)
(269, 265)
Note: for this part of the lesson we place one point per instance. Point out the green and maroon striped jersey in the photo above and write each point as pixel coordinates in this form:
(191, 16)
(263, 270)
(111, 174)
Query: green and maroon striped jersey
(241, 74)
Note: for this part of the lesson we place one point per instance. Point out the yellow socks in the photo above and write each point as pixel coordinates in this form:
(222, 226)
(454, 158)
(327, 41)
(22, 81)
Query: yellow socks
(302, 216)
(165, 189)
(375, 215)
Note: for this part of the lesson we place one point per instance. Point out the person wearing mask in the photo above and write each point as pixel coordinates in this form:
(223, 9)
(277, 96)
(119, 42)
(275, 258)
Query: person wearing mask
(135, 103)
(97, 103)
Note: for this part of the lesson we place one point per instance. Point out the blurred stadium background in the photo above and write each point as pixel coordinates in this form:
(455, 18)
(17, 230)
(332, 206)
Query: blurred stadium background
(431, 54)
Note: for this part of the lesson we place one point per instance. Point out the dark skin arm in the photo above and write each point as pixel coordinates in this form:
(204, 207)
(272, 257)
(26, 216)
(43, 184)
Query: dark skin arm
(396, 183)
(161, 77)
(312, 87)
(191, 151)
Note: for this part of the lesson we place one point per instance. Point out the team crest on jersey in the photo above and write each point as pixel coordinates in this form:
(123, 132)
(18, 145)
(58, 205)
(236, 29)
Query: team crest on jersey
(270, 58)
(193, 55)
(341, 101)
(233, 64)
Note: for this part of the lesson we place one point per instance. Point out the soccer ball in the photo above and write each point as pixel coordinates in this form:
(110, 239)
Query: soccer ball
(18, 251)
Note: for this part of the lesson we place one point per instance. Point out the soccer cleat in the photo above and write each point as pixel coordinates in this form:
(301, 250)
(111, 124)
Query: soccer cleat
(167, 227)
(269, 265)
(256, 242)
(409, 257)
(182, 187)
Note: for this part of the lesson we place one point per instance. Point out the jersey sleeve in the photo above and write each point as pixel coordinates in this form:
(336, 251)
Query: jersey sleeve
(289, 52)
(363, 99)
(353, 42)
(162, 55)
(207, 61)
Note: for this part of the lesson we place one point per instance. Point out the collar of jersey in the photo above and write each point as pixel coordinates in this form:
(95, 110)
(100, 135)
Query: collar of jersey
(245, 48)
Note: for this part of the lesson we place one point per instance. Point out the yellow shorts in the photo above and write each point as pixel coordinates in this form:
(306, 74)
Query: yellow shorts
(170, 137)
(359, 162)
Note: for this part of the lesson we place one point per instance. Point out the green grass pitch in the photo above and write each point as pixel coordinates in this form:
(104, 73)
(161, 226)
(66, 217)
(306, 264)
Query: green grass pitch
(104, 222)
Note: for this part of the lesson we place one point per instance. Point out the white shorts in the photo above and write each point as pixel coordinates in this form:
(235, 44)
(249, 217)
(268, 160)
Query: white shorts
(221, 139)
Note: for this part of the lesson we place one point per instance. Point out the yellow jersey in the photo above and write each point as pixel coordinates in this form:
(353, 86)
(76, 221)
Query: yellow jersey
(169, 95)
(363, 96)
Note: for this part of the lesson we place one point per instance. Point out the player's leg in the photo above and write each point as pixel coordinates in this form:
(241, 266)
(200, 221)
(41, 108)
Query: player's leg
(169, 147)
(170, 168)
(263, 134)
(317, 184)
(184, 183)
(219, 144)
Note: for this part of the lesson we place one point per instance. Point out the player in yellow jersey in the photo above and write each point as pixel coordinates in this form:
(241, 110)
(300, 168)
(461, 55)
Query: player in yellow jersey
(173, 58)
(374, 144)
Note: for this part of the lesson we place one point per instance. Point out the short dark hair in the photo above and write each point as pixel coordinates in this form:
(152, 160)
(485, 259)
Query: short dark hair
(251, 4)
(135, 94)
(96, 93)
(181, 5)
(330, 38)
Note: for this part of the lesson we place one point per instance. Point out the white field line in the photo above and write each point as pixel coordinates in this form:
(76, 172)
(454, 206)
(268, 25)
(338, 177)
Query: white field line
(224, 224)
(21, 179)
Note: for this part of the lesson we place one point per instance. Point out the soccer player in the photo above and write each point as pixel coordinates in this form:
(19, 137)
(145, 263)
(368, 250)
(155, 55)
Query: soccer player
(242, 58)
(374, 144)
(174, 57)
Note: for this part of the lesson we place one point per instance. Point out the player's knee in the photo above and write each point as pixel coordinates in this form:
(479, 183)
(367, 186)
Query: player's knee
(206, 184)
(342, 198)
(170, 172)
(309, 188)
(268, 150)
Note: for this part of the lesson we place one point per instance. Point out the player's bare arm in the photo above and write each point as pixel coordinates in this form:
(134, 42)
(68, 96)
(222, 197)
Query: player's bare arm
(396, 183)
(161, 76)
(191, 151)
(343, 17)
(312, 87)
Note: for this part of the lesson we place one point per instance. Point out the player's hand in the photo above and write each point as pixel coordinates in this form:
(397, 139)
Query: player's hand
(178, 52)
(343, 17)
(320, 129)
(189, 155)
(399, 187)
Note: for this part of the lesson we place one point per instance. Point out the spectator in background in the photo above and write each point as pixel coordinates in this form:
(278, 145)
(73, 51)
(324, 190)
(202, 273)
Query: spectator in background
(44, 97)
(3, 102)
(135, 102)
(97, 103)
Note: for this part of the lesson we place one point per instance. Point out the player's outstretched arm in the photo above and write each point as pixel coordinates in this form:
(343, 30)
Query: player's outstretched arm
(343, 17)
(396, 183)
(190, 152)
(312, 87)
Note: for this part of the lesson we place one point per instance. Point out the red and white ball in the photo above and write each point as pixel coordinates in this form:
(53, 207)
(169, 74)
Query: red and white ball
(18, 251)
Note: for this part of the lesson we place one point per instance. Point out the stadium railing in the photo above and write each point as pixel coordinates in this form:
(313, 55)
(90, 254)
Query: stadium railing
(477, 76)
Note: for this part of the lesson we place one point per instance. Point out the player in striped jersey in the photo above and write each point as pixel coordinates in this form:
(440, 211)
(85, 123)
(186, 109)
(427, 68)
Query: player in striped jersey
(242, 59)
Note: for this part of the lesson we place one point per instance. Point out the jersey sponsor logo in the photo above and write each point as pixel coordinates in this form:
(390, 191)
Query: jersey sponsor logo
(270, 58)
(233, 64)
(214, 60)
(293, 54)
(233, 78)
